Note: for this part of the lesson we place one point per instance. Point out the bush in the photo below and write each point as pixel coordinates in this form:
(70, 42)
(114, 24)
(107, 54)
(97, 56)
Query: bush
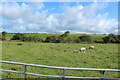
(19, 36)
(106, 39)
(98, 41)
(51, 39)
(76, 40)
(85, 38)
(37, 39)
(22, 37)
(111, 38)
(33, 38)
(61, 39)
(68, 40)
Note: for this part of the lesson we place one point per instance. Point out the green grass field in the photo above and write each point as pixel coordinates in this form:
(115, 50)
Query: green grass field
(103, 56)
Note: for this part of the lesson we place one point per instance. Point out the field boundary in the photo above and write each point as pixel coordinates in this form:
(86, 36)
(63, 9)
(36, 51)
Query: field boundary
(63, 68)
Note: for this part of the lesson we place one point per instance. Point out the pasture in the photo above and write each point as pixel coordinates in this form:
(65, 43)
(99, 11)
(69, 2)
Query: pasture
(59, 54)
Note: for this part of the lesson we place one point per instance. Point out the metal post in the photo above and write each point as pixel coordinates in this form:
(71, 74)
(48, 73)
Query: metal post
(64, 73)
(104, 74)
(25, 76)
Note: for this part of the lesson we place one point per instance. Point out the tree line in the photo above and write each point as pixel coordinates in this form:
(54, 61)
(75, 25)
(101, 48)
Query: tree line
(63, 38)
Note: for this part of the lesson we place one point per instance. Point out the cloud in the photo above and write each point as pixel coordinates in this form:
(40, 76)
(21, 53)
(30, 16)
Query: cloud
(14, 10)
(30, 17)
(10, 12)
(83, 19)
(18, 21)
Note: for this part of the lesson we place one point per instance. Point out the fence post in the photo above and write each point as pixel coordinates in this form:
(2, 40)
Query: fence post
(64, 73)
(104, 74)
(25, 75)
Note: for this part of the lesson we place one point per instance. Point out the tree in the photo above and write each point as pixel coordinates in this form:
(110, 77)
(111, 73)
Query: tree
(4, 35)
(66, 33)
(62, 37)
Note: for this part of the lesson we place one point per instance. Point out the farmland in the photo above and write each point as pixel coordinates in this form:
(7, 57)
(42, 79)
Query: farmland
(59, 54)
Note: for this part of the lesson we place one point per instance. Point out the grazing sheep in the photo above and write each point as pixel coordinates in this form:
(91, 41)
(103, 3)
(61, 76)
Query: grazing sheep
(82, 49)
(91, 47)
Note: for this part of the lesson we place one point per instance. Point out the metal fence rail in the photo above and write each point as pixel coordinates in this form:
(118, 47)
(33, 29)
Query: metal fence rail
(63, 68)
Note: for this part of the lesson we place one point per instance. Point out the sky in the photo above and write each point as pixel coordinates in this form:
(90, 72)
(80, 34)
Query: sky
(58, 17)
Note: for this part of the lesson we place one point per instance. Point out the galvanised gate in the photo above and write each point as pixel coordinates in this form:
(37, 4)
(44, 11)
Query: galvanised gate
(63, 68)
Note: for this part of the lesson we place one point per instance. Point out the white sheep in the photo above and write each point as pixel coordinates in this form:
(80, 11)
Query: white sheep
(82, 49)
(91, 47)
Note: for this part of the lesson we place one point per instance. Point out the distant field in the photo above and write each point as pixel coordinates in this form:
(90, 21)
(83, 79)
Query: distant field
(103, 56)
(43, 36)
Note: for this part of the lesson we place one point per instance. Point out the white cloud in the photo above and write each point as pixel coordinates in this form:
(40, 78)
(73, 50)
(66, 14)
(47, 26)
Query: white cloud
(18, 21)
(83, 19)
(19, 28)
(11, 11)
(14, 10)
(77, 19)
(36, 5)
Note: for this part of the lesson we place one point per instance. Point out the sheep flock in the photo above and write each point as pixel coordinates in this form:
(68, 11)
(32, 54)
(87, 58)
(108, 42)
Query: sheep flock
(83, 49)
